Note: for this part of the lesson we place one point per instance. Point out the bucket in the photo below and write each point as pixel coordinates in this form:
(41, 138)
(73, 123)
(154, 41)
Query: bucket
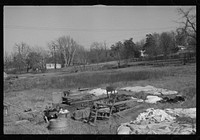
(57, 97)
(57, 124)
(63, 115)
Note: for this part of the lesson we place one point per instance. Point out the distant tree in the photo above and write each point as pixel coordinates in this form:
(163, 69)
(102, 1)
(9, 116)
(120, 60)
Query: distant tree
(21, 52)
(168, 43)
(34, 61)
(152, 47)
(174, 46)
(187, 30)
(42, 55)
(140, 44)
(67, 46)
(7, 60)
(130, 50)
(117, 51)
(97, 52)
(81, 55)
(53, 47)
(181, 37)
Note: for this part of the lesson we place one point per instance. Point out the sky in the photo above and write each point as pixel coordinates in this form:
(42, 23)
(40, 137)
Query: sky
(38, 25)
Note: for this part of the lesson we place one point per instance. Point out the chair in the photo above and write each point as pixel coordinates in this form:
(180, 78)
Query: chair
(101, 110)
(111, 90)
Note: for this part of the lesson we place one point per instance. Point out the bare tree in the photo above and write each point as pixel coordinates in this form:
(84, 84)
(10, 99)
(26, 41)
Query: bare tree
(188, 25)
(117, 50)
(53, 50)
(7, 60)
(21, 52)
(80, 56)
(43, 56)
(97, 51)
(67, 46)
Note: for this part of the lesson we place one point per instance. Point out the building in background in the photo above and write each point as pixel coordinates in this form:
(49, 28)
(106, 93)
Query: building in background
(52, 66)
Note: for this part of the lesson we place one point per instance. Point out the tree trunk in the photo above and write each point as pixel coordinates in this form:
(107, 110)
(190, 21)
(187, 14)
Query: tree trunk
(72, 58)
(65, 57)
(118, 60)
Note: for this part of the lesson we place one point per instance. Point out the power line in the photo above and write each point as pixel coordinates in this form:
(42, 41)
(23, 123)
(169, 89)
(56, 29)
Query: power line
(79, 30)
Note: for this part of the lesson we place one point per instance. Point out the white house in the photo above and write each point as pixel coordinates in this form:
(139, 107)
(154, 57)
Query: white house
(181, 47)
(52, 66)
(142, 53)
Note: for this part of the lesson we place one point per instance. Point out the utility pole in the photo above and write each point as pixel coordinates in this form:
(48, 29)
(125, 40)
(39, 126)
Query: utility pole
(54, 55)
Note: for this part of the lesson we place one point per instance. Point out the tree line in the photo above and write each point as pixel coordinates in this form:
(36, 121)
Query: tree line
(66, 51)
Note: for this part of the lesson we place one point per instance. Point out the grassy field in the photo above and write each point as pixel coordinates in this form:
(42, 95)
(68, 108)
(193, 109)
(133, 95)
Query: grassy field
(35, 92)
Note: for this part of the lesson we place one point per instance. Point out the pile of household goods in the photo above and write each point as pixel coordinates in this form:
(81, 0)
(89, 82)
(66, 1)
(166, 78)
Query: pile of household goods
(150, 94)
(86, 103)
(79, 96)
(157, 121)
(54, 113)
(56, 117)
(103, 108)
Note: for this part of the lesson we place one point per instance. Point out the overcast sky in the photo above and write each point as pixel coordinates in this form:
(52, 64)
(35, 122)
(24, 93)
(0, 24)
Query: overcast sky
(38, 25)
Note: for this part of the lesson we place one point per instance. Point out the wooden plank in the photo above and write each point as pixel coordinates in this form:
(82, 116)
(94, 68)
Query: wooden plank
(83, 89)
(124, 102)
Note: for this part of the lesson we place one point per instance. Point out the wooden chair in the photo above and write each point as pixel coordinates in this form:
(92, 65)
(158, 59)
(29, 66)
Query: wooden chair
(110, 89)
(103, 113)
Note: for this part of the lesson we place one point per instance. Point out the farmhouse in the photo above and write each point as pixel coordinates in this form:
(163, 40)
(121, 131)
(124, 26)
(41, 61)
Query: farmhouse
(52, 66)
(181, 47)
(142, 53)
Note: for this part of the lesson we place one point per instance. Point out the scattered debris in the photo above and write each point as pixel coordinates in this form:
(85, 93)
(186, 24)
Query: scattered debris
(66, 93)
(63, 111)
(152, 99)
(83, 89)
(124, 97)
(50, 114)
(150, 89)
(81, 114)
(140, 100)
(157, 121)
(175, 99)
(187, 112)
(78, 99)
(99, 91)
(28, 110)
(160, 128)
(153, 115)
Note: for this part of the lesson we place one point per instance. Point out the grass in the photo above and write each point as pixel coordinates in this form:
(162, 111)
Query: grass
(37, 91)
(86, 79)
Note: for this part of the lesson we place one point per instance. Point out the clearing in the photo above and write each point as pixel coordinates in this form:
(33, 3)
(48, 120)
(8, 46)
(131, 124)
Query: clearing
(35, 91)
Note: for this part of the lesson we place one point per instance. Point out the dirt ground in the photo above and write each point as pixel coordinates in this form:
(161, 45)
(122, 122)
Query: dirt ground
(183, 81)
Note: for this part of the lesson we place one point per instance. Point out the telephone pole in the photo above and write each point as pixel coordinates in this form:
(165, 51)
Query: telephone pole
(54, 54)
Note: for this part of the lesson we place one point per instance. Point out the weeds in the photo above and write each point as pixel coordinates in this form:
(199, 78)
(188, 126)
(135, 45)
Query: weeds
(94, 79)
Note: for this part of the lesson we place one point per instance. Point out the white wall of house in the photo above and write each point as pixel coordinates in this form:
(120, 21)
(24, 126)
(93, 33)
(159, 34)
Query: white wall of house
(142, 53)
(181, 47)
(52, 66)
